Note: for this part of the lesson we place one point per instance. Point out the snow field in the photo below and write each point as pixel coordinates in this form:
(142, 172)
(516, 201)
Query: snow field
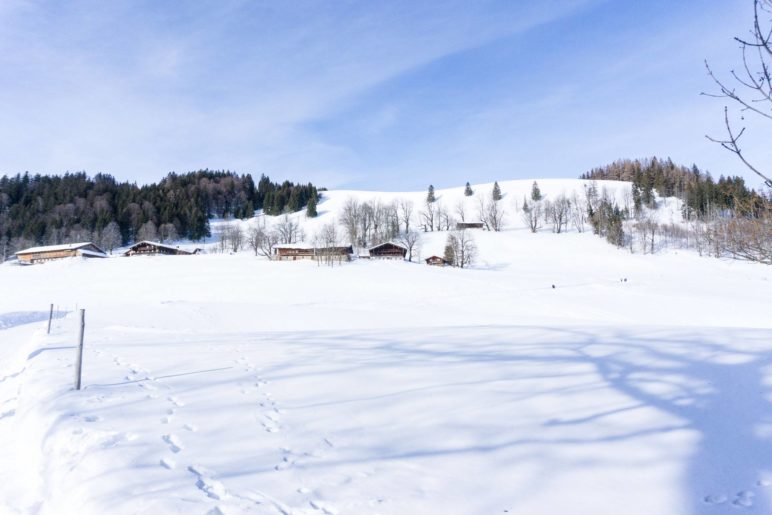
(229, 384)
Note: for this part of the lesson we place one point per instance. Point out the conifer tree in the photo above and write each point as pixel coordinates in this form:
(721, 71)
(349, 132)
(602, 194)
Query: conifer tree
(496, 194)
(430, 198)
(311, 207)
(535, 192)
(468, 190)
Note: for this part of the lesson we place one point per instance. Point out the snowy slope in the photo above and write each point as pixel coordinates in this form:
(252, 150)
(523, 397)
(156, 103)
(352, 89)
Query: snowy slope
(230, 384)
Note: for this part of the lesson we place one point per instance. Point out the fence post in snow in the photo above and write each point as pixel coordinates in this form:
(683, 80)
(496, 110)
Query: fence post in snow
(79, 355)
(50, 316)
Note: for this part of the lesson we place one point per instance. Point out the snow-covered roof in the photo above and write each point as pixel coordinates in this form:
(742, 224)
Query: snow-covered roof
(303, 246)
(155, 244)
(388, 243)
(55, 248)
(91, 253)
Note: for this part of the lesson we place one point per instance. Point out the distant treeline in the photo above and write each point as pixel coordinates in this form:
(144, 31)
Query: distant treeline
(701, 194)
(51, 209)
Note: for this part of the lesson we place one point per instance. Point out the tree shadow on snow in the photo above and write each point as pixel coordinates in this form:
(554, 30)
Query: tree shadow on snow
(715, 390)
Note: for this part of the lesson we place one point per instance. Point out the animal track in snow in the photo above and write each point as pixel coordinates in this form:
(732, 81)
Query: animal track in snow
(190, 427)
(167, 463)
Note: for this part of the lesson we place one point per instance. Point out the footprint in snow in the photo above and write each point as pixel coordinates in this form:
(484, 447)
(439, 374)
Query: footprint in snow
(204, 482)
(173, 442)
(167, 463)
(270, 427)
(175, 401)
(324, 507)
(190, 427)
(744, 499)
(715, 499)
(168, 418)
(764, 482)
(285, 463)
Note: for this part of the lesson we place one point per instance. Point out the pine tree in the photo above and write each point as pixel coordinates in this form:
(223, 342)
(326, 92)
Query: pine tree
(496, 194)
(311, 208)
(430, 195)
(468, 190)
(535, 192)
(294, 201)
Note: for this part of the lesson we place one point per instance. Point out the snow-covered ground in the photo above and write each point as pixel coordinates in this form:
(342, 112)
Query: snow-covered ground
(639, 384)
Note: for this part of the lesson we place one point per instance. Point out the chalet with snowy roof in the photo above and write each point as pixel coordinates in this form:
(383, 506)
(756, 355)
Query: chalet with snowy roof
(51, 252)
(296, 251)
(388, 250)
(152, 248)
(469, 225)
(436, 261)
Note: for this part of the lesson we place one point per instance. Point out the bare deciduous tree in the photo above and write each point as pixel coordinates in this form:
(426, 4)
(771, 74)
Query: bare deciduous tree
(287, 229)
(349, 218)
(110, 237)
(326, 243)
(405, 212)
(147, 232)
(578, 213)
(461, 210)
(167, 232)
(461, 244)
(411, 240)
(428, 216)
(557, 211)
(752, 91)
(531, 214)
(444, 219)
(235, 236)
(260, 239)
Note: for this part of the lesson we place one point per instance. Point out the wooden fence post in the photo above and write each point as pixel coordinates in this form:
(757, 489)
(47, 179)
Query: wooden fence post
(79, 355)
(50, 316)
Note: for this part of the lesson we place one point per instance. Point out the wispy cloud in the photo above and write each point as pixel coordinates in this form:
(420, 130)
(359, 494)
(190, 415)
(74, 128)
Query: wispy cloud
(368, 93)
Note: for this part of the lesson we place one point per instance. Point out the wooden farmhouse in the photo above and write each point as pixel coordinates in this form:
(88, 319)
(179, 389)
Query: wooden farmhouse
(436, 261)
(296, 251)
(469, 225)
(388, 250)
(152, 248)
(51, 252)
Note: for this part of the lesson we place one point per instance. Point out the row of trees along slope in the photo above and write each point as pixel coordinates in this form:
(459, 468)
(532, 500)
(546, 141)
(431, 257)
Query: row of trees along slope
(48, 210)
(724, 218)
(702, 196)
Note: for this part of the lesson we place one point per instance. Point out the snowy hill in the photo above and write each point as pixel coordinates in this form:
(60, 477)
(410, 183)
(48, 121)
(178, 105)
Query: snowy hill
(232, 384)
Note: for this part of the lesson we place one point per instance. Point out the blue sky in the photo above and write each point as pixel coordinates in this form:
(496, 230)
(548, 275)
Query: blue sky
(376, 95)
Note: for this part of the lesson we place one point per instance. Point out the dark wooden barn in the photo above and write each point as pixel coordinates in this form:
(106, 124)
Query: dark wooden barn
(469, 225)
(152, 248)
(436, 261)
(388, 250)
